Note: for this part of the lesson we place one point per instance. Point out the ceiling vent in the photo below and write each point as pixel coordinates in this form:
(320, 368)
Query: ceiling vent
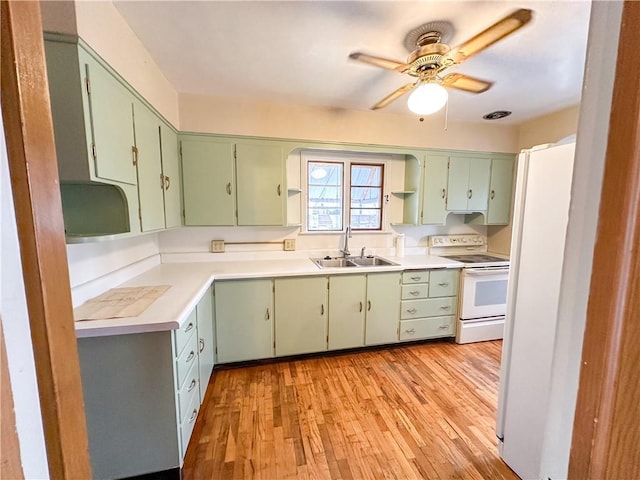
(496, 115)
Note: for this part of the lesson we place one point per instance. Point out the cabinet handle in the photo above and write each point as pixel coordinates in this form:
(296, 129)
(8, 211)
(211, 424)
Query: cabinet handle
(167, 182)
(161, 181)
(268, 315)
(322, 309)
(415, 279)
(201, 345)
(368, 305)
(414, 292)
(442, 327)
(191, 356)
(445, 307)
(470, 193)
(411, 331)
(360, 306)
(411, 310)
(193, 416)
(444, 193)
(189, 327)
(229, 188)
(279, 190)
(192, 385)
(493, 194)
(444, 284)
(134, 149)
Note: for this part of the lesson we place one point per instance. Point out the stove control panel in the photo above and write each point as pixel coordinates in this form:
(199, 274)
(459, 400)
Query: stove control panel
(457, 240)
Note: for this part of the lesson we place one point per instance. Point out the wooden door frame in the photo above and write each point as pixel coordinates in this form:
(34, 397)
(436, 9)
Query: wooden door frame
(34, 180)
(606, 428)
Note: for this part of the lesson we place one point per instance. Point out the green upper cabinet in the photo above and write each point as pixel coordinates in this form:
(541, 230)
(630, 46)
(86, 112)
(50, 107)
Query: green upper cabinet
(347, 309)
(434, 189)
(260, 184)
(500, 191)
(149, 168)
(208, 181)
(301, 306)
(171, 176)
(110, 105)
(468, 184)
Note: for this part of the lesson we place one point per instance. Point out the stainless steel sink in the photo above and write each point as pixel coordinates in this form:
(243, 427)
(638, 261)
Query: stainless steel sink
(344, 262)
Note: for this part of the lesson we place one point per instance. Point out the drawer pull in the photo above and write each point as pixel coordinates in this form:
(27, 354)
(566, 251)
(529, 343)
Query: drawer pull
(445, 307)
(201, 345)
(493, 194)
(415, 278)
(279, 190)
(368, 305)
(191, 356)
(167, 182)
(442, 327)
(411, 331)
(444, 193)
(411, 310)
(189, 327)
(229, 188)
(193, 416)
(470, 193)
(414, 292)
(192, 385)
(360, 306)
(444, 284)
(322, 309)
(268, 315)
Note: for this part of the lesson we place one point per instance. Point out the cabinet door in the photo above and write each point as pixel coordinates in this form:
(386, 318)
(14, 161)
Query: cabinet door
(206, 344)
(479, 174)
(149, 167)
(110, 104)
(458, 183)
(347, 305)
(301, 315)
(500, 191)
(260, 184)
(208, 182)
(171, 172)
(383, 308)
(244, 320)
(434, 195)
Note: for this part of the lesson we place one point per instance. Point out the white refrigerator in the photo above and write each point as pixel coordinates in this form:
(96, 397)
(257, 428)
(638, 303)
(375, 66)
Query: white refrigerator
(541, 210)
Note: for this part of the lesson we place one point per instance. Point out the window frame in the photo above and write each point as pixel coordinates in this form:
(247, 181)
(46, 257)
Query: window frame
(381, 187)
(346, 159)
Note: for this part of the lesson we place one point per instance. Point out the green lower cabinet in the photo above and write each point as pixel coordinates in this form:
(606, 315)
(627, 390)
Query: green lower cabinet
(383, 308)
(301, 306)
(443, 283)
(244, 319)
(347, 310)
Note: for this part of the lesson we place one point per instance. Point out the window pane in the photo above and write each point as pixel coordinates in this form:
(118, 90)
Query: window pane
(366, 197)
(363, 219)
(366, 175)
(325, 196)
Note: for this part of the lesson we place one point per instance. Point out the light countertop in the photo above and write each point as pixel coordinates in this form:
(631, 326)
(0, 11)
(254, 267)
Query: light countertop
(189, 282)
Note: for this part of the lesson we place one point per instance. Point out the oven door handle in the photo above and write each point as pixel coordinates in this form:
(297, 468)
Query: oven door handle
(485, 271)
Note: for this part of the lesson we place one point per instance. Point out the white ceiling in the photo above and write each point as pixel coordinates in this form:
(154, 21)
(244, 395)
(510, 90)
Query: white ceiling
(297, 51)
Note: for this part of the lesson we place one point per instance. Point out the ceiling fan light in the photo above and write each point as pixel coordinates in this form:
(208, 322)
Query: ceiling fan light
(427, 98)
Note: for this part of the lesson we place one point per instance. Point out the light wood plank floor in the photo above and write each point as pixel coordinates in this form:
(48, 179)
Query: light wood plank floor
(410, 412)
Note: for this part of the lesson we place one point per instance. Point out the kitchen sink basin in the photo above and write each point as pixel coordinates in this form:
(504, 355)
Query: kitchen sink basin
(344, 262)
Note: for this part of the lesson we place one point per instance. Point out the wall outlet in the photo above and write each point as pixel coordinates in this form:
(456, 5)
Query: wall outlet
(217, 246)
(289, 244)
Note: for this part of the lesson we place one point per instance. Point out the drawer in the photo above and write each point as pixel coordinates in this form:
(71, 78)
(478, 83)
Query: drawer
(421, 328)
(415, 276)
(186, 360)
(443, 283)
(183, 333)
(418, 290)
(189, 388)
(186, 428)
(430, 307)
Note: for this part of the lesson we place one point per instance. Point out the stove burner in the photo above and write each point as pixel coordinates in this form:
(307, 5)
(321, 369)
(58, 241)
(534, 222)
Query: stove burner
(476, 258)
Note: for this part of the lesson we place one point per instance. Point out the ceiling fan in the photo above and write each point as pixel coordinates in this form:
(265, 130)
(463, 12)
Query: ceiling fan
(431, 56)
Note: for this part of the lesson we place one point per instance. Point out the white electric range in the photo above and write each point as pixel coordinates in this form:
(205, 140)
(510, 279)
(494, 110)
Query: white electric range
(483, 285)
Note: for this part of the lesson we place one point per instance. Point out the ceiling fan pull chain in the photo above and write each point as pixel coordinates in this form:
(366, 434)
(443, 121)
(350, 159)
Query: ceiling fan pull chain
(446, 116)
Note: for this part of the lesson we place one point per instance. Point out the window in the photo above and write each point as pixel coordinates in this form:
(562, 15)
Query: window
(342, 191)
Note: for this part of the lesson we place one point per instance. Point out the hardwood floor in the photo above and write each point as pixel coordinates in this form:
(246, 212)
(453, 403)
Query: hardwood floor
(409, 412)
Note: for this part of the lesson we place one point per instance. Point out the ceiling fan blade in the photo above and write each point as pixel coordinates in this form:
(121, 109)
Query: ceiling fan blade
(395, 95)
(491, 35)
(379, 62)
(468, 84)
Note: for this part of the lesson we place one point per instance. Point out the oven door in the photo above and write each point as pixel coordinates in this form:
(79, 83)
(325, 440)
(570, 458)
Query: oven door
(484, 292)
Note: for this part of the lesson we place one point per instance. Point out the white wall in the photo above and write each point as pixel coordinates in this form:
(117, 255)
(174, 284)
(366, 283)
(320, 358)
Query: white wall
(17, 334)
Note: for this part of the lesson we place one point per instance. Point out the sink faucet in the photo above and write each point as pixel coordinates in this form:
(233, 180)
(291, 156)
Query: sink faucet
(347, 235)
(362, 252)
